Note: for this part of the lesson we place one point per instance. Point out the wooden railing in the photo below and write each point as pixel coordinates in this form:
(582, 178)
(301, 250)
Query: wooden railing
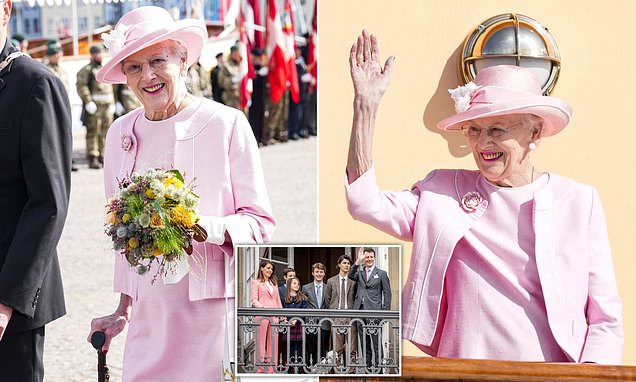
(445, 369)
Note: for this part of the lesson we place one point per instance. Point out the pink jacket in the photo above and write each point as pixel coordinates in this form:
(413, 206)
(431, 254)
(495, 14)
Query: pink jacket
(263, 298)
(219, 151)
(572, 252)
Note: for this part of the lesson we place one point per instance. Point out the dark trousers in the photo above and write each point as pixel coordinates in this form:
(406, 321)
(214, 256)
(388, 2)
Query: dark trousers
(312, 346)
(369, 341)
(21, 356)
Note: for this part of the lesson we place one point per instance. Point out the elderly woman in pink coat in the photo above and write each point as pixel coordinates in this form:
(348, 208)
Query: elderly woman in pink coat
(509, 262)
(177, 324)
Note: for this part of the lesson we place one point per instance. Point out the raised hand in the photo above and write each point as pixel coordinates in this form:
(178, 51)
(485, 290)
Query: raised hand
(370, 79)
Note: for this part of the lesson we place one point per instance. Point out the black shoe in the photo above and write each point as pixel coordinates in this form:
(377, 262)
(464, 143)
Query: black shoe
(93, 162)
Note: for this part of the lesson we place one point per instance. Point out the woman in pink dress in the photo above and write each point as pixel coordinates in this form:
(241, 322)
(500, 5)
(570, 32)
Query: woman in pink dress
(176, 324)
(265, 295)
(509, 262)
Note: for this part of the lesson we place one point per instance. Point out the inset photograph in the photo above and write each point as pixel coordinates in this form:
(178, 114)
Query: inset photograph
(318, 310)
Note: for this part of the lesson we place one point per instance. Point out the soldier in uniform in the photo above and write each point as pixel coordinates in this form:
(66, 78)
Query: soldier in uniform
(53, 55)
(217, 90)
(197, 81)
(276, 118)
(230, 80)
(125, 99)
(99, 107)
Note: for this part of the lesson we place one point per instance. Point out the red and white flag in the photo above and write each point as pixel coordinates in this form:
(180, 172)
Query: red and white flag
(247, 70)
(290, 42)
(281, 55)
(252, 18)
(312, 52)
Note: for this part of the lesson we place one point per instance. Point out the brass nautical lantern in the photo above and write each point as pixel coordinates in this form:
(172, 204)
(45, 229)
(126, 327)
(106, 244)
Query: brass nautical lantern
(512, 39)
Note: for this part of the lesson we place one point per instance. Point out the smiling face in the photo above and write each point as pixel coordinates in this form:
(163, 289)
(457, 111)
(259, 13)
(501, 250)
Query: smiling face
(155, 74)
(267, 271)
(294, 285)
(500, 147)
(319, 274)
(369, 259)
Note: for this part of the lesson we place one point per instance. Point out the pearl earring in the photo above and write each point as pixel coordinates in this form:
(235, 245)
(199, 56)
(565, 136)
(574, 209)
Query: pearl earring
(532, 146)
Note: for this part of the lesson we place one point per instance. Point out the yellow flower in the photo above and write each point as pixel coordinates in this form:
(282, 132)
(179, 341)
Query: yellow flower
(150, 193)
(156, 221)
(174, 181)
(125, 218)
(133, 242)
(182, 216)
(156, 252)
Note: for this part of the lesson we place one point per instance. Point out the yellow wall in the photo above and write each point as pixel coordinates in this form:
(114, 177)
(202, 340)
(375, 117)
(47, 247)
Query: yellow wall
(599, 147)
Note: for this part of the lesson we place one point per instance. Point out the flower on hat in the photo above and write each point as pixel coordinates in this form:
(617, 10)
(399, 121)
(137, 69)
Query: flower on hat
(461, 95)
(114, 40)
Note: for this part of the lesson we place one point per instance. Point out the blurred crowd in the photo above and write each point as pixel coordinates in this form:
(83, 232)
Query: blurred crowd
(272, 122)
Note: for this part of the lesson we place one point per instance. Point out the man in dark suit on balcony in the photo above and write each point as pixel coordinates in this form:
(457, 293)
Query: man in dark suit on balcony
(373, 292)
(35, 153)
(340, 294)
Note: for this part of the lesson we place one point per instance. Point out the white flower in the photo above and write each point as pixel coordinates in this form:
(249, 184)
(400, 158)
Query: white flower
(461, 95)
(114, 40)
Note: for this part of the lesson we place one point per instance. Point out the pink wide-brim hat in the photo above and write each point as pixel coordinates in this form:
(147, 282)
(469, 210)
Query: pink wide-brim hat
(143, 27)
(507, 89)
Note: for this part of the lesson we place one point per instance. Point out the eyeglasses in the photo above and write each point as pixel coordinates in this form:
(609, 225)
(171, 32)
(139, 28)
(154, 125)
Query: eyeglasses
(472, 131)
(134, 68)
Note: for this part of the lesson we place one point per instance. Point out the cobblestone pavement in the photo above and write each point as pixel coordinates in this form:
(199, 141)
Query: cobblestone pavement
(87, 261)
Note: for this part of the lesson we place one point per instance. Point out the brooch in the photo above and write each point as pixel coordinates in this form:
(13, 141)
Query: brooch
(471, 201)
(126, 142)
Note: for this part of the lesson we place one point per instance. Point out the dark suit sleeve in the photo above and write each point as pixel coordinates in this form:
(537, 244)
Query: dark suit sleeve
(386, 291)
(353, 272)
(45, 154)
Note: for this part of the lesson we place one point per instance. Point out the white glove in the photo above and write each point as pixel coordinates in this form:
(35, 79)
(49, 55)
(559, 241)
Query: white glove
(215, 227)
(236, 79)
(90, 107)
(263, 71)
(307, 77)
(119, 109)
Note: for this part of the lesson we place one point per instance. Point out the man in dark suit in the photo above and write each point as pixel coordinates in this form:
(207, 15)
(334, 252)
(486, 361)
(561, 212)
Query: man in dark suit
(315, 292)
(35, 154)
(287, 273)
(373, 292)
(340, 294)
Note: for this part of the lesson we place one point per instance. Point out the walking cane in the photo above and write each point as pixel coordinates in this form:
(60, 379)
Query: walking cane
(97, 340)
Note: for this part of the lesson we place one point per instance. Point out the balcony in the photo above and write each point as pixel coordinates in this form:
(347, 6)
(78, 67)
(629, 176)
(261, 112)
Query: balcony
(445, 369)
(384, 354)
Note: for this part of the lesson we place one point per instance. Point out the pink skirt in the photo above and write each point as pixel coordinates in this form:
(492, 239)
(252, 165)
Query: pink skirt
(171, 338)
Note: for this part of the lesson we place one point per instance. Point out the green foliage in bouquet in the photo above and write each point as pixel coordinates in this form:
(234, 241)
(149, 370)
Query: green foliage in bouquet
(153, 217)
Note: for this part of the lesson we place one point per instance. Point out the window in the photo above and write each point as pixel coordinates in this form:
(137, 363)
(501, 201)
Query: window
(36, 25)
(27, 26)
(83, 24)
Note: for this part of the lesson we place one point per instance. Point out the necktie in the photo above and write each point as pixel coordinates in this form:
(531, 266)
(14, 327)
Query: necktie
(319, 294)
(342, 294)
(368, 273)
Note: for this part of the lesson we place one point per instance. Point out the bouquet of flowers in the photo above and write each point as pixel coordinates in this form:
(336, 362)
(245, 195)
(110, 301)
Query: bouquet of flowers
(153, 215)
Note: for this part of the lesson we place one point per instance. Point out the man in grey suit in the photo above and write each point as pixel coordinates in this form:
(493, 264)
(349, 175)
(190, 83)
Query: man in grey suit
(340, 294)
(373, 292)
(315, 292)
